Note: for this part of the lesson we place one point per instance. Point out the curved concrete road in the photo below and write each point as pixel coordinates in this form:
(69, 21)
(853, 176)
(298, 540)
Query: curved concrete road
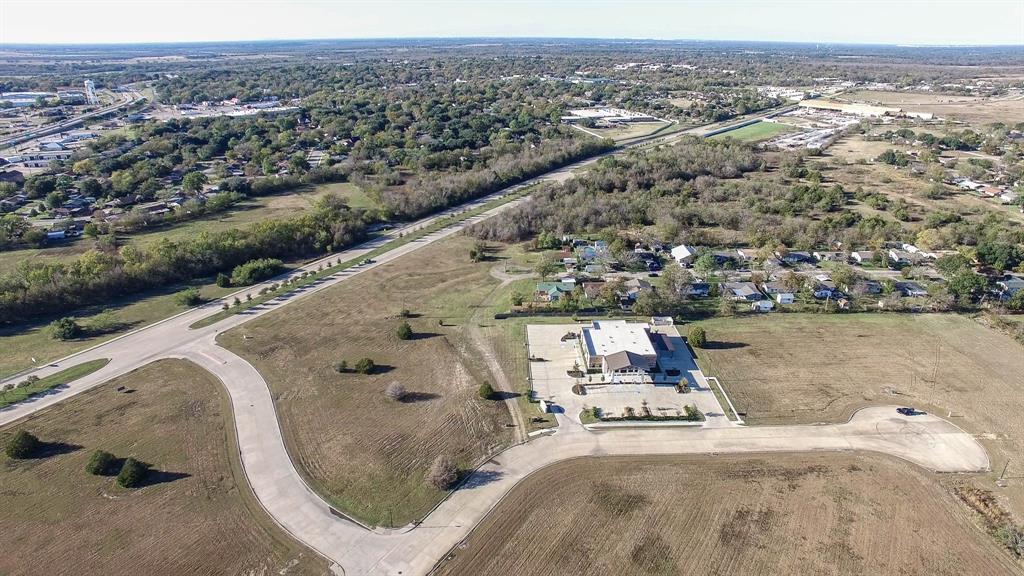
(924, 440)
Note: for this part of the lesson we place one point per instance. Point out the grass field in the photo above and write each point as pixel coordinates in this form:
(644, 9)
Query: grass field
(802, 368)
(8, 397)
(20, 345)
(365, 453)
(788, 514)
(197, 516)
(756, 132)
(970, 109)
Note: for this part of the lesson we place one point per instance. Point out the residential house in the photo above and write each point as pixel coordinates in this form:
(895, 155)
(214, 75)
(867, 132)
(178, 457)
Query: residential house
(862, 256)
(697, 289)
(762, 306)
(785, 297)
(774, 287)
(825, 289)
(1009, 285)
(593, 290)
(794, 257)
(741, 291)
(553, 291)
(633, 287)
(830, 256)
(867, 287)
(684, 255)
(746, 254)
(911, 289)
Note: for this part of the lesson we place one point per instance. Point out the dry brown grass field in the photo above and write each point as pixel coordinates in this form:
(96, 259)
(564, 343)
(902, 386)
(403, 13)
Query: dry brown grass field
(899, 183)
(803, 368)
(365, 453)
(969, 109)
(197, 517)
(822, 513)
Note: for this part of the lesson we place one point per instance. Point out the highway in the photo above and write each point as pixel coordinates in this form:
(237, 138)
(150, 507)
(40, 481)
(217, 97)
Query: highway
(127, 99)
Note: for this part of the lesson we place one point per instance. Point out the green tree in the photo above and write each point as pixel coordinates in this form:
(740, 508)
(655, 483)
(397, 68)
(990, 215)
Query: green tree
(194, 181)
(100, 463)
(364, 366)
(697, 337)
(64, 329)
(486, 391)
(223, 280)
(546, 267)
(23, 445)
(133, 473)
(404, 331)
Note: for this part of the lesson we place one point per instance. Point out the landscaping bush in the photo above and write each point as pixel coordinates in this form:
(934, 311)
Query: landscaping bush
(486, 391)
(341, 367)
(443, 472)
(133, 473)
(255, 270)
(64, 329)
(223, 280)
(100, 463)
(698, 338)
(23, 445)
(395, 391)
(364, 366)
(188, 297)
(404, 331)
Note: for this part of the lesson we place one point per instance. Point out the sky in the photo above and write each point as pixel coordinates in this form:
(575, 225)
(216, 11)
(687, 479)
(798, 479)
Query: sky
(927, 22)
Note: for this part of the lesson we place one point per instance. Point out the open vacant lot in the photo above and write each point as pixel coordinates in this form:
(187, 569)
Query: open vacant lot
(801, 368)
(365, 453)
(196, 516)
(788, 514)
(970, 109)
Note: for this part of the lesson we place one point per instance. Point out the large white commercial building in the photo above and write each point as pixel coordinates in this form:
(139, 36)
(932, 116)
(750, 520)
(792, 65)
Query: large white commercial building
(619, 347)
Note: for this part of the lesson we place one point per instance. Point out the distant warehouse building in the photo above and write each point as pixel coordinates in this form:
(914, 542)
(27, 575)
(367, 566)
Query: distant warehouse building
(607, 115)
(617, 347)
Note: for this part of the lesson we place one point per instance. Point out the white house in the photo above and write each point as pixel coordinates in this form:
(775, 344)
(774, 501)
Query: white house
(762, 306)
(785, 297)
(862, 256)
(618, 347)
(684, 254)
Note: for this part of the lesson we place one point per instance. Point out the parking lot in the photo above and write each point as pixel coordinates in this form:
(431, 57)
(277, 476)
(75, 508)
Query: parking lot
(555, 357)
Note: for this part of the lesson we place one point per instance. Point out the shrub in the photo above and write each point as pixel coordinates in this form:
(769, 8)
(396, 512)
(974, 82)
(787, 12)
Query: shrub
(223, 280)
(395, 391)
(23, 445)
(100, 463)
(486, 391)
(255, 270)
(698, 338)
(341, 367)
(188, 297)
(404, 331)
(133, 473)
(64, 329)
(364, 366)
(442, 473)
(405, 313)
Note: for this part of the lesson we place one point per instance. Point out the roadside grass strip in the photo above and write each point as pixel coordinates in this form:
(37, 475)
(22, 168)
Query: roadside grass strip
(28, 387)
(307, 278)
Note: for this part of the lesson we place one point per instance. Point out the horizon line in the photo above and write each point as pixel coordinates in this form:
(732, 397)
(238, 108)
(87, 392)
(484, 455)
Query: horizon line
(548, 38)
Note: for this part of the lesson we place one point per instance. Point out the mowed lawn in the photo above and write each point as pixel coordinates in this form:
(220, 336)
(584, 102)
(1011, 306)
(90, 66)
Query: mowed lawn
(802, 368)
(365, 453)
(197, 517)
(756, 132)
(815, 513)
(21, 344)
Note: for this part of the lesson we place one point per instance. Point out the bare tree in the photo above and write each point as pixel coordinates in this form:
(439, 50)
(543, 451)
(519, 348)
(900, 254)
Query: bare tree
(443, 472)
(395, 391)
